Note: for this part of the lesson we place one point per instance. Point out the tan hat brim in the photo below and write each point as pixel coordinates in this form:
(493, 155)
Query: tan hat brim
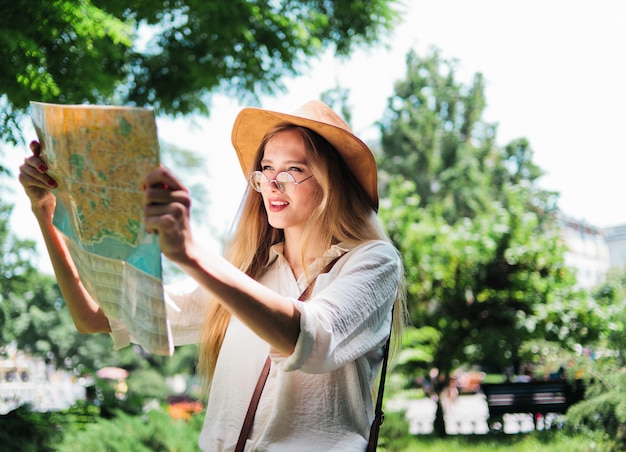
(252, 124)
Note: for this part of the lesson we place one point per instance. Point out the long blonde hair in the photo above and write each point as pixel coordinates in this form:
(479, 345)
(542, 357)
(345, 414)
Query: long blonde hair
(343, 213)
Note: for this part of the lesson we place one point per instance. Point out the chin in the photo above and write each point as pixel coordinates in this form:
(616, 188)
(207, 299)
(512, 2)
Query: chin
(276, 224)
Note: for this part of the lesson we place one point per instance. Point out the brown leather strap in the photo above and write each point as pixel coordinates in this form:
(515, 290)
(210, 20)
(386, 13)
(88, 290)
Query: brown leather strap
(254, 402)
(379, 415)
(256, 395)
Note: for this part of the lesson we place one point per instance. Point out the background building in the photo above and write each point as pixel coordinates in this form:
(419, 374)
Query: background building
(616, 240)
(592, 250)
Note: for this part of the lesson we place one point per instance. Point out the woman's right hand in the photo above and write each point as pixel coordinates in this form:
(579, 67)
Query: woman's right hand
(37, 183)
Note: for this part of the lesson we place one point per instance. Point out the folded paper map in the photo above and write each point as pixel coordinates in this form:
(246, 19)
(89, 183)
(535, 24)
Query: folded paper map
(99, 156)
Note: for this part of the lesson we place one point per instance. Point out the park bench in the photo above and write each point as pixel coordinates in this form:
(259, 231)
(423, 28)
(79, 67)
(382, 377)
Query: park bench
(537, 398)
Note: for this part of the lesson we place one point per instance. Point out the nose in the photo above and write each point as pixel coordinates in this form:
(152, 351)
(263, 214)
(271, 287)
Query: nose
(273, 184)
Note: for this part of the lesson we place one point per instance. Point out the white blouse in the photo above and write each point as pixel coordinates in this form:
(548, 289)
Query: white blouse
(319, 398)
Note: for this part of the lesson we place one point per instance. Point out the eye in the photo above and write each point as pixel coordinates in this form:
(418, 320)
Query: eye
(294, 169)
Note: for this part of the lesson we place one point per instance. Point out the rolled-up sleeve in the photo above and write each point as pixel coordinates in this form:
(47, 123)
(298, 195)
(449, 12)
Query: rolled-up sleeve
(349, 314)
(187, 305)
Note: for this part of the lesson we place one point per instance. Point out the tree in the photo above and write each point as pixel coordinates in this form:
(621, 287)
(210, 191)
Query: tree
(169, 55)
(604, 406)
(33, 313)
(479, 237)
(611, 298)
(19, 283)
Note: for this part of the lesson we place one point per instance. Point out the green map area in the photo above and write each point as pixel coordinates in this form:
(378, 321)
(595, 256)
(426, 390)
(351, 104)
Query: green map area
(99, 156)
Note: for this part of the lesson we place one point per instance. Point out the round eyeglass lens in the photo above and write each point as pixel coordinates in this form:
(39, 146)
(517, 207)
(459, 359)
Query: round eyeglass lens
(284, 181)
(255, 180)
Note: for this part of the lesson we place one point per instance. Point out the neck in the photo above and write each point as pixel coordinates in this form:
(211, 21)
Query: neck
(295, 249)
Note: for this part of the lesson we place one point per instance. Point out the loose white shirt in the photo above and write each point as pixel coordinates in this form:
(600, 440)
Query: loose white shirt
(319, 398)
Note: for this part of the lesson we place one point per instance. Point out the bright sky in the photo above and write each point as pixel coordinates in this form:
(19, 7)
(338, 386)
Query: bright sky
(555, 72)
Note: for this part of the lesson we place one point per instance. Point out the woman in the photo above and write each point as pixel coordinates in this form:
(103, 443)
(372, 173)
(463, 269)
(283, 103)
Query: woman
(310, 209)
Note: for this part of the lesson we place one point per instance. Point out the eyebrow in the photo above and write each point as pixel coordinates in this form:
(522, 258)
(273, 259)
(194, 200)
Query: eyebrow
(288, 162)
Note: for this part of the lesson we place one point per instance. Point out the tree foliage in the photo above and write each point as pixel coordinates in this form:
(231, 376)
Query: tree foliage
(610, 297)
(169, 55)
(21, 286)
(33, 314)
(604, 406)
(479, 236)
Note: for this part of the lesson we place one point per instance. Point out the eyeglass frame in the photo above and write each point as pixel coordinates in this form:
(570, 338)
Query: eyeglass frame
(275, 181)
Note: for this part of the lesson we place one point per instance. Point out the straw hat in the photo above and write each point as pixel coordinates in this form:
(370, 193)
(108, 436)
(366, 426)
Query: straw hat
(252, 124)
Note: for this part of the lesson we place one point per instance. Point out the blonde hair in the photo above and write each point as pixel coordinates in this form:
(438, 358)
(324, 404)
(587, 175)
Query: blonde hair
(343, 213)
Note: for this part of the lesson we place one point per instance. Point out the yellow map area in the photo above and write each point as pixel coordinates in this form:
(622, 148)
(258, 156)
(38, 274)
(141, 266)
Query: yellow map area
(99, 157)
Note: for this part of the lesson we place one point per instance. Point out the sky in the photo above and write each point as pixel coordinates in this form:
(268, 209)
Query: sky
(555, 73)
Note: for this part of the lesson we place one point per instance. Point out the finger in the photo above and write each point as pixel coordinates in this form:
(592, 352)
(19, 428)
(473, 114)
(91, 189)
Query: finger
(162, 177)
(36, 163)
(176, 211)
(164, 196)
(165, 218)
(30, 179)
(35, 148)
(35, 176)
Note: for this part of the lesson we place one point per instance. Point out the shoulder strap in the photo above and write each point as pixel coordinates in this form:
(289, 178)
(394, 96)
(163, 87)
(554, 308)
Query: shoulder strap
(256, 396)
(379, 415)
(254, 403)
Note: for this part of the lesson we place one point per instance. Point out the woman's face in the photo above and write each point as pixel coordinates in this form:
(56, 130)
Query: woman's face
(286, 152)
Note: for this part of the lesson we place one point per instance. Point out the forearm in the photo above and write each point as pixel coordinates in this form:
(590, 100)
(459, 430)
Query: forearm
(271, 316)
(86, 313)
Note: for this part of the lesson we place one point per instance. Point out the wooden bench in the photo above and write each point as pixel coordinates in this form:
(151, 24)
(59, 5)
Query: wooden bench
(534, 397)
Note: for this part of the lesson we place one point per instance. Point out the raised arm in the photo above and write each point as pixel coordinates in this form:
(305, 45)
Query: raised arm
(270, 315)
(87, 315)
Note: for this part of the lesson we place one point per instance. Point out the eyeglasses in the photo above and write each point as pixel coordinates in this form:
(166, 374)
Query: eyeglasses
(284, 181)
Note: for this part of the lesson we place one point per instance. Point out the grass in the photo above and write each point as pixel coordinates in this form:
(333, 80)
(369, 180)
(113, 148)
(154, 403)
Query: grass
(553, 441)
(394, 438)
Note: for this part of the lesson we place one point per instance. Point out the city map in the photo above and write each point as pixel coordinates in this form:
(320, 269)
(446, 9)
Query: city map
(99, 156)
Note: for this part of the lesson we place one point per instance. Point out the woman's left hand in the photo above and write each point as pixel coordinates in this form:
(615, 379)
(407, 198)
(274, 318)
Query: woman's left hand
(167, 204)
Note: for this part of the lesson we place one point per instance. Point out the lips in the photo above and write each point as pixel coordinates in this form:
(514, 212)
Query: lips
(277, 205)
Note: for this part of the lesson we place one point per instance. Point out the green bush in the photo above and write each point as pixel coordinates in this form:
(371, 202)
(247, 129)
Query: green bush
(393, 431)
(25, 430)
(604, 407)
(152, 432)
(143, 385)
